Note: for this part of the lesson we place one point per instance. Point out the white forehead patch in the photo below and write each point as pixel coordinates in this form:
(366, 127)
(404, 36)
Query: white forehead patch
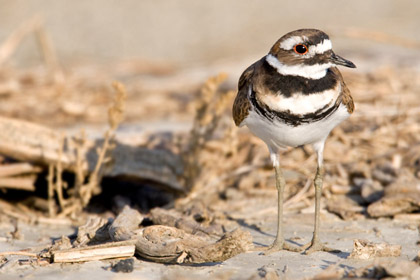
(289, 43)
(322, 47)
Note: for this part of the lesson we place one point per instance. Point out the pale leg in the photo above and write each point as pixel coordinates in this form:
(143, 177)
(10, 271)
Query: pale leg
(279, 243)
(316, 244)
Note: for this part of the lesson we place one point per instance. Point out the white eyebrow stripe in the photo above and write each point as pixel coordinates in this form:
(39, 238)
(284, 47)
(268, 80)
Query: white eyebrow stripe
(289, 43)
(320, 48)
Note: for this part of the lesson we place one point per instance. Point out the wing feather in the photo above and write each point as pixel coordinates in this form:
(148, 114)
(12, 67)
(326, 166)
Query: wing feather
(346, 98)
(241, 105)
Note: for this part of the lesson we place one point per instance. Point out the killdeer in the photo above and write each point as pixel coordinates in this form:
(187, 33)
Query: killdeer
(295, 96)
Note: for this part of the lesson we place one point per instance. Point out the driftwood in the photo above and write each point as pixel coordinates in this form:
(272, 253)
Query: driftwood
(91, 253)
(387, 269)
(402, 196)
(13, 169)
(26, 141)
(171, 245)
(22, 183)
(158, 243)
(173, 218)
(344, 206)
(61, 252)
(125, 224)
(18, 176)
(167, 244)
(403, 268)
(95, 230)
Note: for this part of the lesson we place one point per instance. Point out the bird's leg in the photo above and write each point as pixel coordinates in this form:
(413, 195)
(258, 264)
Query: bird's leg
(279, 243)
(315, 244)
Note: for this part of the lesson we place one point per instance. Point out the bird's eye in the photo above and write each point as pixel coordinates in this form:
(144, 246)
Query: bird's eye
(300, 49)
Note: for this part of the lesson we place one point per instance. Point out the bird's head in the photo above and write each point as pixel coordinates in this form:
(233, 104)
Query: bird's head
(305, 52)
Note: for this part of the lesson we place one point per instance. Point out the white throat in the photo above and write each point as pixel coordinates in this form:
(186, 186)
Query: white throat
(315, 72)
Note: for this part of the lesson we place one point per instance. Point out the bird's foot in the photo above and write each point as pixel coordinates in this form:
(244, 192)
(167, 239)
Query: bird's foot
(316, 245)
(279, 246)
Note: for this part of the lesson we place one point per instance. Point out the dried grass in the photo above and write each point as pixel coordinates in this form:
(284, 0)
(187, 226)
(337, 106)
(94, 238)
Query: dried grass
(85, 186)
(211, 105)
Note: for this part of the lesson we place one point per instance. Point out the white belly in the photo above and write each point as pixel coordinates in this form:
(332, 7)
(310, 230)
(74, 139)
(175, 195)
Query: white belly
(278, 135)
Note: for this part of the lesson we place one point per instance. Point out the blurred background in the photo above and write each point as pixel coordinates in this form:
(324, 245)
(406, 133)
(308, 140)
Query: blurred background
(167, 49)
(188, 32)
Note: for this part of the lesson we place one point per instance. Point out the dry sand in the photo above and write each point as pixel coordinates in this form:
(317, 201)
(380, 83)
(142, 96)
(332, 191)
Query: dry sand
(250, 265)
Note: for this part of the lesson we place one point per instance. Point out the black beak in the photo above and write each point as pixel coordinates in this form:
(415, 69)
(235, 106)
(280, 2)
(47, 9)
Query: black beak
(338, 60)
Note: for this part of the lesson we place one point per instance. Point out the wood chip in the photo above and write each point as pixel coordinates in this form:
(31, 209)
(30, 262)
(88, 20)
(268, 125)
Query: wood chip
(94, 230)
(13, 169)
(171, 245)
(26, 183)
(175, 219)
(333, 271)
(345, 206)
(126, 223)
(337, 189)
(402, 196)
(364, 250)
(92, 253)
(413, 217)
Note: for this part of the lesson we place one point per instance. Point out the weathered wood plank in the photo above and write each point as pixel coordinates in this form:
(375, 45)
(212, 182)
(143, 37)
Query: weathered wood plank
(26, 141)
(93, 253)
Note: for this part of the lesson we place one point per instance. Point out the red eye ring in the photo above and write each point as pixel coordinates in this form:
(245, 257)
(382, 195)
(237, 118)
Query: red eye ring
(300, 49)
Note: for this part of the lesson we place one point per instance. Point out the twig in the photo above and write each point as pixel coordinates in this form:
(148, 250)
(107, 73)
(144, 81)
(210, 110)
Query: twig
(19, 253)
(54, 221)
(50, 178)
(100, 252)
(23, 183)
(49, 54)
(72, 208)
(88, 189)
(10, 45)
(34, 25)
(294, 200)
(80, 161)
(299, 195)
(13, 169)
(14, 214)
(115, 116)
(59, 174)
(101, 158)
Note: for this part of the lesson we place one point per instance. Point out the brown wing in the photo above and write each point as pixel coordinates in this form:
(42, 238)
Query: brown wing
(345, 92)
(241, 105)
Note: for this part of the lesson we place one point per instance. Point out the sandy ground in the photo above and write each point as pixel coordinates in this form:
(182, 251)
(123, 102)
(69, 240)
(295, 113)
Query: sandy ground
(250, 265)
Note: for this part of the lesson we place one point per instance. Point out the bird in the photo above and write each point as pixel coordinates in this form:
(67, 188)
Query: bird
(292, 97)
